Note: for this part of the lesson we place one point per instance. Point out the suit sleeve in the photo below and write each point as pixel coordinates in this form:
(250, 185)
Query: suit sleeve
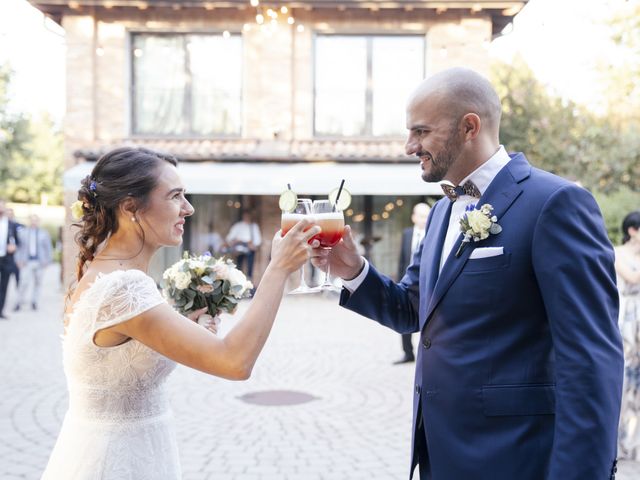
(574, 264)
(394, 305)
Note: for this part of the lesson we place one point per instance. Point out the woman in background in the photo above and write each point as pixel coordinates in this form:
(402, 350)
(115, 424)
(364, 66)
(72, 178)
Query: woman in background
(628, 270)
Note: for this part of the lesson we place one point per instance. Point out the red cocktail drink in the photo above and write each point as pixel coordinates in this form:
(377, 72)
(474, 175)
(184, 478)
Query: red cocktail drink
(332, 225)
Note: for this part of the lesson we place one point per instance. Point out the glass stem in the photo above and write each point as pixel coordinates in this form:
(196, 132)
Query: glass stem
(326, 282)
(303, 284)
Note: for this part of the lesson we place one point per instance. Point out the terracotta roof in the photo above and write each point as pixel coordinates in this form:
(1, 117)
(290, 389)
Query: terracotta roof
(346, 150)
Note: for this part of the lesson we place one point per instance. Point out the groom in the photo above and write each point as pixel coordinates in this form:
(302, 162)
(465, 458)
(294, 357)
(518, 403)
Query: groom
(519, 368)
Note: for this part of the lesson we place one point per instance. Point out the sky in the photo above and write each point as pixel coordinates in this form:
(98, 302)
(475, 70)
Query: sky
(35, 49)
(561, 40)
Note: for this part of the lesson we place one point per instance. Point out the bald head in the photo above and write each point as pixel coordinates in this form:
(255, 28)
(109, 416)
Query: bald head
(460, 91)
(420, 214)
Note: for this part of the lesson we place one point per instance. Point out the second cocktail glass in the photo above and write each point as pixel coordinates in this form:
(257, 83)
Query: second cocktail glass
(331, 220)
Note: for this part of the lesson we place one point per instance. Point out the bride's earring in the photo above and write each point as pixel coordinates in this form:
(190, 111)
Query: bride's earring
(133, 219)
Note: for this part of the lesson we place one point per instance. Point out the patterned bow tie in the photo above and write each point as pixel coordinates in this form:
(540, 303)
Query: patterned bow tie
(469, 188)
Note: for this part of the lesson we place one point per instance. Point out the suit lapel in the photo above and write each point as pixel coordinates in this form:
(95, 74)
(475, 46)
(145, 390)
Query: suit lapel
(434, 240)
(500, 194)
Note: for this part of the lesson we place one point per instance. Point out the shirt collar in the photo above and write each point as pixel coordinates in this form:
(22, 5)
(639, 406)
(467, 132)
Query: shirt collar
(485, 173)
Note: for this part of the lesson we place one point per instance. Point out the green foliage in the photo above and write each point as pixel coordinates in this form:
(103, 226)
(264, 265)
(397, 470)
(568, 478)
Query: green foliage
(623, 75)
(562, 137)
(31, 153)
(615, 206)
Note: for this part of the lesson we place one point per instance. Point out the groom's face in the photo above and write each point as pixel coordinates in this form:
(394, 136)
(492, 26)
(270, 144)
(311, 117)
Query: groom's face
(433, 137)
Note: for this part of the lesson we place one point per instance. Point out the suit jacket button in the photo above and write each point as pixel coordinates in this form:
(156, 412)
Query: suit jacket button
(417, 389)
(426, 343)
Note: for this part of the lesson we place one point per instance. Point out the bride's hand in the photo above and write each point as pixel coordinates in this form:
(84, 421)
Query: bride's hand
(292, 251)
(201, 317)
(209, 322)
(193, 316)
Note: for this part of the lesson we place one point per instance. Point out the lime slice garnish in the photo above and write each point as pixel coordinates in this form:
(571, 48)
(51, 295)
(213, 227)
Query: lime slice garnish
(343, 202)
(288, 201)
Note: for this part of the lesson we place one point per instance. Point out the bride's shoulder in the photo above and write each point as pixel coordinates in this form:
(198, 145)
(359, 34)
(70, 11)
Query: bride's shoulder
(97, 281)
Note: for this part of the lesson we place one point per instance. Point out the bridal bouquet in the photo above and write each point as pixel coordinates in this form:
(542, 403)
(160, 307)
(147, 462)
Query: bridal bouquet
(204, 281)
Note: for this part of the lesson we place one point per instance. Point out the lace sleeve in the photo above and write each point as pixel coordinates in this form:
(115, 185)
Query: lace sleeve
(126, 295)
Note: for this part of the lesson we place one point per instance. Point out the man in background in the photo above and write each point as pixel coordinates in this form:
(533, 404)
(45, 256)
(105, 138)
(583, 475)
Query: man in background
(244, 239)
(33, 256)
(411, 239)
(8, 244)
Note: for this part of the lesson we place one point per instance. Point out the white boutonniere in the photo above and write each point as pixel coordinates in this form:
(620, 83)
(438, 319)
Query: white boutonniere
(477, 224)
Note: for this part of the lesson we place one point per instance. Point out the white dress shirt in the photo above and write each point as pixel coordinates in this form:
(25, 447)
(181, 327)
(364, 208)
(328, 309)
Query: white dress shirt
(418, 234)
(245, 233)
(481, 177)
(4, 235)
(33, 243)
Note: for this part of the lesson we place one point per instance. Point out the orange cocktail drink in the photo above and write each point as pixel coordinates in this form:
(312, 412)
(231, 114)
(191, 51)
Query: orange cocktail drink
(288, 220)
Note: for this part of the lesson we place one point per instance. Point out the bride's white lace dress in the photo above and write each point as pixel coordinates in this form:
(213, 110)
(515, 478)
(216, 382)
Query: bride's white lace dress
(118, 425)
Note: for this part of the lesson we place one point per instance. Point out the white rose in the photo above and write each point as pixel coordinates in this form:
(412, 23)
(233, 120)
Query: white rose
(486, 209)
(478, 222)
(170, 273)
(197, 266)
(236, 277)
(182, 280)
(221, 270)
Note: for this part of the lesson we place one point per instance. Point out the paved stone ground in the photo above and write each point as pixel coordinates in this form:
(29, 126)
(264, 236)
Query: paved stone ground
(356, 427)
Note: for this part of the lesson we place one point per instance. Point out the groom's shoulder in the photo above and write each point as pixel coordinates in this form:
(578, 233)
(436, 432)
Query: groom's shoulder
(545, 184)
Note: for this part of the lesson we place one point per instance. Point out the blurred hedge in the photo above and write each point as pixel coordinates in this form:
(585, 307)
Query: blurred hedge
(615, 206)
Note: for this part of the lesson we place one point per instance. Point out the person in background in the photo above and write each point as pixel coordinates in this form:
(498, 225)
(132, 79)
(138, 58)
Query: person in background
(8, 244)
(411, 239)
(628, 270)
(244, 239)
(14, 268)
(212, 241)
(33, 256)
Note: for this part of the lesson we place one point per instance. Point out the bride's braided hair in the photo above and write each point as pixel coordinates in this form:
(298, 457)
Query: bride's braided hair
(126, 172)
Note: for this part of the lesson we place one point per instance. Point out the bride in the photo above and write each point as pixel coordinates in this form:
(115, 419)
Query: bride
(122, 339)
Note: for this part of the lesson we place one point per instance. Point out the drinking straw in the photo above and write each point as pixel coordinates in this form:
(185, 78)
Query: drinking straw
(338, 195)
(289, 186)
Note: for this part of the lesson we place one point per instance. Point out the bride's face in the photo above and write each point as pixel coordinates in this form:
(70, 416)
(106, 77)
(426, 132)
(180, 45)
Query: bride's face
(164, 217)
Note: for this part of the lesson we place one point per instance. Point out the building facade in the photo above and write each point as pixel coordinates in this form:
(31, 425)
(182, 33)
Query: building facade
(252, 96)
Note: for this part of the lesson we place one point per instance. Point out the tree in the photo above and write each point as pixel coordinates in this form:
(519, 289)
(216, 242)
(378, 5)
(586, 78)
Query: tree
(561, 136)
(31, 153)
(623, 73)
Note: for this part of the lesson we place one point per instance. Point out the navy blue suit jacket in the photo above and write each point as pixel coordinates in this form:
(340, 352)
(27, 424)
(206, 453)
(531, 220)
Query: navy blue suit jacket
(519, 371)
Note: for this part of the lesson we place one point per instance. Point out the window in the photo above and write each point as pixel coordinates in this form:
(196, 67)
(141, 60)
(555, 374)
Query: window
(362, 83)
(187, 84)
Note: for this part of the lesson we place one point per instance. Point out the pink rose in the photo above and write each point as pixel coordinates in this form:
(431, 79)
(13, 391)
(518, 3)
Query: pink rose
(205, 288)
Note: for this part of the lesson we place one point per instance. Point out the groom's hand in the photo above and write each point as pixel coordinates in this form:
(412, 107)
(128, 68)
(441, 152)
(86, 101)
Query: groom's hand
(344, 259)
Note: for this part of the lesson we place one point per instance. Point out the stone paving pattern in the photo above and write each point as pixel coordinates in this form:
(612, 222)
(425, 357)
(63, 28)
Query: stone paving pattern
(357, 427)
